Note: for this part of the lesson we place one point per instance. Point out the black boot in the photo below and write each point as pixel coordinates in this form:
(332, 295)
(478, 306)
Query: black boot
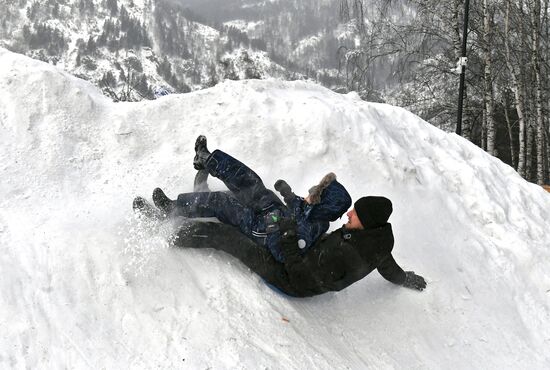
(202, 153)
(162, 202)
(145, 208)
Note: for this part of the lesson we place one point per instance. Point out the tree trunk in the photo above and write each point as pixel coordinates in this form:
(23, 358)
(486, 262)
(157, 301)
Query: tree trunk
(538, 120)
(510, 133)
(545, 26)
(517, 88)
(547, 132)
(488, 80)
(456, 28)
(530, 150)
(483, 138)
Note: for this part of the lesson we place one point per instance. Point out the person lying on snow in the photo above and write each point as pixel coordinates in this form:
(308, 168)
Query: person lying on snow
(289, 247)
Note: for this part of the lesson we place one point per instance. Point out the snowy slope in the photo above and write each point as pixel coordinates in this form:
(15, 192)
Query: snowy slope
(87, 285)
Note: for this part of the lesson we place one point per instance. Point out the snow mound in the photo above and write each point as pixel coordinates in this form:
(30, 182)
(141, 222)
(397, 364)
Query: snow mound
(87, 284)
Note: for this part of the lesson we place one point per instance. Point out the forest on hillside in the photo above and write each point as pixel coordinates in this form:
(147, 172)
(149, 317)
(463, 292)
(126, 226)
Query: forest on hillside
(507, 95)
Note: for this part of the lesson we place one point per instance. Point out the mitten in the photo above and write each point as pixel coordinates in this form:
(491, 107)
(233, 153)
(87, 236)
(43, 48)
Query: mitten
(414, 281)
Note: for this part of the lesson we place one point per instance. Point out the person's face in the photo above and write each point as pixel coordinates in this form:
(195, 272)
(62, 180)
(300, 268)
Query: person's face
(353, 220)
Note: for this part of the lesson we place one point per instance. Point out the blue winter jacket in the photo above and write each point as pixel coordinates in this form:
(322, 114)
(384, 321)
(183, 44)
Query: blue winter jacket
(312, 219)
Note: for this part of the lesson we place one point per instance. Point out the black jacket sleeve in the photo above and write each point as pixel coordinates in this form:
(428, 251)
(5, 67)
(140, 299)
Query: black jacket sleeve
(391, 271)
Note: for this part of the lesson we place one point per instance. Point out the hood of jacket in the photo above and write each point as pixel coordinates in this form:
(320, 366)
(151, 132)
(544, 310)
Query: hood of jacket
(331, 200)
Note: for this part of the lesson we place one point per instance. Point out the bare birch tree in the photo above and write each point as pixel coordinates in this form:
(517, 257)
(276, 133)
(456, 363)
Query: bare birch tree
(488, 14)
(535, 10)
(517, 88)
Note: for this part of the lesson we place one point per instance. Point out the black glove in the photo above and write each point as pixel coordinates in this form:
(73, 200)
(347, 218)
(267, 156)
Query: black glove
(289, 239)
(414, 281)
(285, 190)
(287, 226)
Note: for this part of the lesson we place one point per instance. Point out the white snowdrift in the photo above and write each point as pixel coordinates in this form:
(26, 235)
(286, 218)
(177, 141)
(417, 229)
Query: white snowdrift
(85, 284)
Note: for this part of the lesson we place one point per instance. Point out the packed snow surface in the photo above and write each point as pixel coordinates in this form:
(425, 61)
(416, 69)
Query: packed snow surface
(86, 284)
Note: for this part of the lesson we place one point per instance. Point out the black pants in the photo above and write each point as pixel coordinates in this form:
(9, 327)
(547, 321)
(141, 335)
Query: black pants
(230, 240)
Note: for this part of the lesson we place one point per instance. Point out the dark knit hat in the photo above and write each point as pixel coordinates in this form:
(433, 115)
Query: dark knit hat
(373, 211)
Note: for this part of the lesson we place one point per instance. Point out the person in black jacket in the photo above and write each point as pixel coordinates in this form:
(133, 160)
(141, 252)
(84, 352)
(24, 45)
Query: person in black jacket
(334, 262)
(331, 262)
(348, 254)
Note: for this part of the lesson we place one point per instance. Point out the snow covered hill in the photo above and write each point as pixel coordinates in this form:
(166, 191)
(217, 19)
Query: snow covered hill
(87, 285)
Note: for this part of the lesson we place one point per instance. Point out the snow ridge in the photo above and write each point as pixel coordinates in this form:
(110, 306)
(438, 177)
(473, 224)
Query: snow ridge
(87, 284)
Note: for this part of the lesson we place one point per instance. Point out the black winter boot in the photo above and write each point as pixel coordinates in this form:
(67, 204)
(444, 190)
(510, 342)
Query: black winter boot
(202, 153)
(139, 203)
(142, 206)
(162, 202)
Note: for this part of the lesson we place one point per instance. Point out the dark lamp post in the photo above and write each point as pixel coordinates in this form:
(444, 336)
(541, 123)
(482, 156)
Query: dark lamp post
(462, 65)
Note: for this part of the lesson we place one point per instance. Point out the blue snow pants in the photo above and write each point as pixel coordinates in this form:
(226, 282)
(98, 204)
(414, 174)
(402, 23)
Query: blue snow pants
(249, 205)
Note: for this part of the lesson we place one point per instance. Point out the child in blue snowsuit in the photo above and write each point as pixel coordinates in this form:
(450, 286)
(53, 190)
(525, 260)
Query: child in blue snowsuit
(253, 208)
